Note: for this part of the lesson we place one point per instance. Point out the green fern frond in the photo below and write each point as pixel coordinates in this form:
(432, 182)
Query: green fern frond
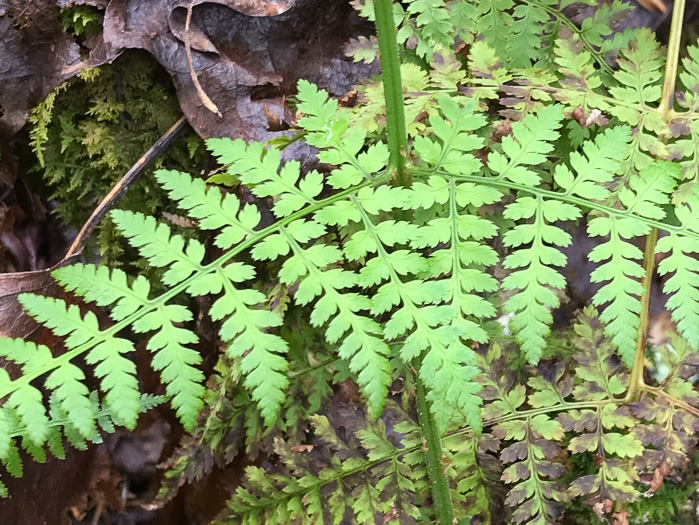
(213, 209)
(493, 19)
(680, 286)
(433, 19)
(25, 399)
(407, 284)
(160, 246)
(595, 428)
(118, 373)
(524, 45)
(644, 197)
(529, 144)
(595, 166)
(534, 276)
(105, 288)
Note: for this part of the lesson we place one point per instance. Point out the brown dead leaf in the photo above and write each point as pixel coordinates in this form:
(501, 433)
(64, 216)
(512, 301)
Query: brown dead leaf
(586, 120)
(14, 322)
(654, 5)
(503, 129)
(301, 448)
(350, 99)
(42, 494)
(391, 515)
(659, 475)
(36, 55)
(621, 517)
(602, 508)
(247, 55)
(34, 51)
(658, 327)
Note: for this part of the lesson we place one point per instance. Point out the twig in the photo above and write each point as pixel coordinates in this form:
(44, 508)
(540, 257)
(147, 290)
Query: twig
(124, 184)
(208, 103)
(98, 512)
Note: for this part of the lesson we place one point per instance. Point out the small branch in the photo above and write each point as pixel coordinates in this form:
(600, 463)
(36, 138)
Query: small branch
(124, 184)
(393, 90)
(208, 103)
(636, 383)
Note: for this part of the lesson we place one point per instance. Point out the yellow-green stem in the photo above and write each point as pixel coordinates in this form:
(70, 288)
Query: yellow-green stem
(636, 383)
(439, 484)
(393, 89)
(397, 146)
(673, 57)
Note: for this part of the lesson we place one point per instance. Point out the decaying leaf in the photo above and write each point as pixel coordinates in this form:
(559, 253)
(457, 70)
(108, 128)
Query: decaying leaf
(34, 51)
(247, 55)
(14, 322)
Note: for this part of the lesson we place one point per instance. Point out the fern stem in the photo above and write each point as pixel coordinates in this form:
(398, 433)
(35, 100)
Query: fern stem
(672, 399)
(563, 197)
(433, 457)
(393, 89)
(521, 414)
(673, 56)
(636, 383)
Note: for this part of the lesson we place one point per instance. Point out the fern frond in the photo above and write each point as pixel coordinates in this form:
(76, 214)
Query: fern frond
(669, 435)
(160, 246)
(476, 472)
(687, 124)
(213, 209)
(534, 276)
(117, 372)
(492, 21)
(363, 345)
(528, 146)
(458, 257)
(635, 91)
(362, 484)
(644, 197)
(25, 399)
(174, 360)
(600, 381)
(534, 440)
(596, 28)
(537, 499)
(595, 166)
(524, 44)
(246, 327)
(579, 74)
(261, 170)
(433, 19)
(681, 285)
(105, 288)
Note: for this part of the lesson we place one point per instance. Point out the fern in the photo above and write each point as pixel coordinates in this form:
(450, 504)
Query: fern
(430, 280)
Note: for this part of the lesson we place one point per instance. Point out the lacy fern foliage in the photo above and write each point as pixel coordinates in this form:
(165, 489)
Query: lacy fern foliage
(432, 288)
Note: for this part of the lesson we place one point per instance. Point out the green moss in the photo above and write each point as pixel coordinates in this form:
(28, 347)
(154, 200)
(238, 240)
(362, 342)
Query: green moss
(90, 130)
